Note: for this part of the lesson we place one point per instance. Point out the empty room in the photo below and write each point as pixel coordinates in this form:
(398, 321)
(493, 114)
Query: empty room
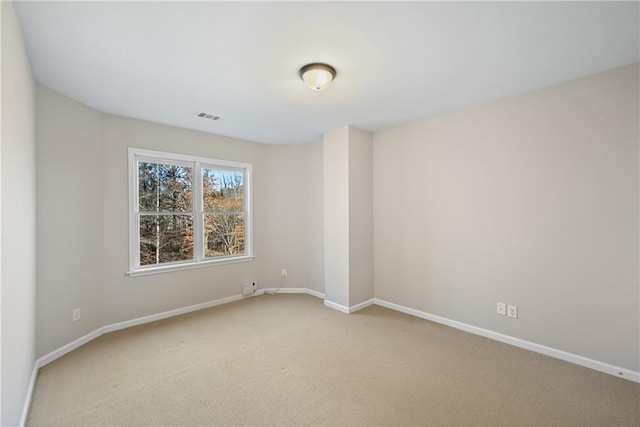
(320, 213)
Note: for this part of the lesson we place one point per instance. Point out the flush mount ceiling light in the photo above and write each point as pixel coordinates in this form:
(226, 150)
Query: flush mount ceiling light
(317, 76)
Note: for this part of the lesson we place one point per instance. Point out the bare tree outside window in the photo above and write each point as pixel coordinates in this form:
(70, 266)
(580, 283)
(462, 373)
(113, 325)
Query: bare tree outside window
(166, 217)
(224, 219)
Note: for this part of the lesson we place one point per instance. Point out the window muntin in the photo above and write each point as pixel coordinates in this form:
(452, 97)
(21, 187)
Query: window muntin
(187, 211)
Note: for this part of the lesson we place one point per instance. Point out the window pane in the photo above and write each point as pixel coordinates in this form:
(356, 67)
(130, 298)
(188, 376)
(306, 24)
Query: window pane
(165, 238)
(223, 190)
(223, 234)
(163, 187)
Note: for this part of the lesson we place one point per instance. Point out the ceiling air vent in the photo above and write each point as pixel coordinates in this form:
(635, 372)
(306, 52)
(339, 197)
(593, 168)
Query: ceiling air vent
(208, 116)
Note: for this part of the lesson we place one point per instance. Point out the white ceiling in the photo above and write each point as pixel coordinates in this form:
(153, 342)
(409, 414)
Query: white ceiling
(396, 62)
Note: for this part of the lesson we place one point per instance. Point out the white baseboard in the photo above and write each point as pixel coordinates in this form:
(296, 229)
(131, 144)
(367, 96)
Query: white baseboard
(315, 293)
(360, 306)
(517, 342)
(348, 310)
(27, 399)
(290, 291)
(56, 354)
(336, 306)
(170, 313)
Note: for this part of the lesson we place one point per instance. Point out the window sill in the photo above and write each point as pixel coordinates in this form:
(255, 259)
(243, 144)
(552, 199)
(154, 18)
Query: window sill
(178, 267)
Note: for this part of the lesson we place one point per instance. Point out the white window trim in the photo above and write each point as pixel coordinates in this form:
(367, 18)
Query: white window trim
(137, 154)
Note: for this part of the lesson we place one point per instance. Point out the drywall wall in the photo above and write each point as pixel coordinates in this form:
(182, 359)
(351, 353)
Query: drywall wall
(360, 216)
(18, 220)
(292, 222)
(127, 297)
(336, 215)
(348, 219)
(70, 219)
(530, 201)
(314, 233)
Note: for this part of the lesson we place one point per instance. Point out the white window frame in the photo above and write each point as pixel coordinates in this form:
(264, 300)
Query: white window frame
(197, 164)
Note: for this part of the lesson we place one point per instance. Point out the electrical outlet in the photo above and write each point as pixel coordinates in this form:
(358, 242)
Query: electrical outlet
(283, 273)
(75, 314)
(501, 308)
(512, 311)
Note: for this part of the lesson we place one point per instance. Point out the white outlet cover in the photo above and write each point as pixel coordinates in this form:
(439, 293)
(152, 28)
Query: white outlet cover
(501, 308)
(512, 311)
(248, 288)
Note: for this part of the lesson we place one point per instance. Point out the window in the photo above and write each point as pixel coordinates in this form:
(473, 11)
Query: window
(187, 211)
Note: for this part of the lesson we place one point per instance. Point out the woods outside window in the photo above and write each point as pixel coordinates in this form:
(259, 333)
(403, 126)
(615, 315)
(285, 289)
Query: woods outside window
(187, 211)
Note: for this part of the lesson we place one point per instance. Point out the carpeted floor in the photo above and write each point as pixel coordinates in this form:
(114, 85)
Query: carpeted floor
(288, 360)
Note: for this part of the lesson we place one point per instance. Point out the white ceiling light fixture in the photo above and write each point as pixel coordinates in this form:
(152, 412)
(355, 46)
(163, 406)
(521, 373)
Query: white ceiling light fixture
(317, 76)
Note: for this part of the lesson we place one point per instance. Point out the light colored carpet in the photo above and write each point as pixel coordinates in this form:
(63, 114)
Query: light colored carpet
(288, 360)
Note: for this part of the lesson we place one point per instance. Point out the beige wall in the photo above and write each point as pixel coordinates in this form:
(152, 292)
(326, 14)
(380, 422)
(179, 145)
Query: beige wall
(336, 215)
(127, 297)
(314, 233)
(70, 219)
(531, 201)
(18, 222)
(360, 216)
(76, 141)
(293, 242)
(348, 218)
